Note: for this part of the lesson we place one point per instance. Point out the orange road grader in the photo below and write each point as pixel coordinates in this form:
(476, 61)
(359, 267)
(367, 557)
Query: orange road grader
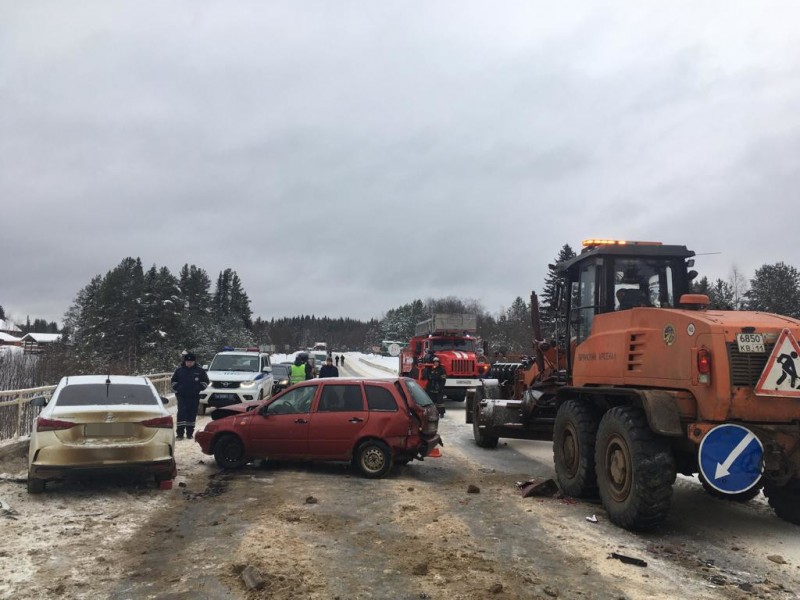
(644, 382)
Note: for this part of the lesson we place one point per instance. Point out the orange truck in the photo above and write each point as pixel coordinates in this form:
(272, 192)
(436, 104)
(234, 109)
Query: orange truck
(644, 381)
(451, 338)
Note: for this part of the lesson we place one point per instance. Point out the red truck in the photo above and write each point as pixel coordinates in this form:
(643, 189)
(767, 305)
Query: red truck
(451, 338)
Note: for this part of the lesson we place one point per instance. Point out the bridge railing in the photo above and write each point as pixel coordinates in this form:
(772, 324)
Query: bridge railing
(17, 415)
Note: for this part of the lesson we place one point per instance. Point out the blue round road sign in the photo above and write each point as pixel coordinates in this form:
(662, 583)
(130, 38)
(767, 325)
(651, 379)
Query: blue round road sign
(730, 458)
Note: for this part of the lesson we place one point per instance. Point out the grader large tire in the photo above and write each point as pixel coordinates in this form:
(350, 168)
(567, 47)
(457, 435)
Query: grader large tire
(482, 438)
(785, 500)
(574, 437)
(471, 401)
(634, 469)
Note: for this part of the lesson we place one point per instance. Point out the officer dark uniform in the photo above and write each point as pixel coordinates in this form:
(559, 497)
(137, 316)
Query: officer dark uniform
(436, 377)
(188, 381)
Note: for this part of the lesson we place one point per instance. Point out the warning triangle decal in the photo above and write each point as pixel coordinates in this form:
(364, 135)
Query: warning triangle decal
(781, 376)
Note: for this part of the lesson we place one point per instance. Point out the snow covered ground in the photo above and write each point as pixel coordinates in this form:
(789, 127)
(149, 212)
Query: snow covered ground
(356, 364)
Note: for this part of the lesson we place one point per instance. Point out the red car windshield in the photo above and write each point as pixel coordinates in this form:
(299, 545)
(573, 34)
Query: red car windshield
(419, 395)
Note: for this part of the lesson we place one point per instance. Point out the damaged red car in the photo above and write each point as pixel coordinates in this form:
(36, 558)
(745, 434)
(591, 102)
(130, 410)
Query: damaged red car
(374, 423)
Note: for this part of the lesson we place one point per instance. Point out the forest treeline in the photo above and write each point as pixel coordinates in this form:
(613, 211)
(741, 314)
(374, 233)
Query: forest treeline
(137, 320)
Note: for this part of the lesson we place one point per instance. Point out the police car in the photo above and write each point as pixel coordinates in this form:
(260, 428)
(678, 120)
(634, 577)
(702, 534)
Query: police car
(237, 375)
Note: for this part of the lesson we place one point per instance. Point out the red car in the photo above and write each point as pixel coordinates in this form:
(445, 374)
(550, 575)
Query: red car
(372, 422)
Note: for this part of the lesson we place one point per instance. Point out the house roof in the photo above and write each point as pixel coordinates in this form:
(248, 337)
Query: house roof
(6, 325)
(9, 339)
(41, 338)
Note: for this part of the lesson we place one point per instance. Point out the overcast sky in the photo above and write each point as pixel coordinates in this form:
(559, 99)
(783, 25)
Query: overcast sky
(348, 157)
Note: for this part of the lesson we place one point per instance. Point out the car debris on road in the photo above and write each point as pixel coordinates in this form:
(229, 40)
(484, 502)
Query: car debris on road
(628, 560)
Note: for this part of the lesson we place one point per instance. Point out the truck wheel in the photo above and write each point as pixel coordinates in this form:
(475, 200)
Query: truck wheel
(229, 452)
(785, 500)
(574, 438)
(482, 438)
(634, 469)
(373, 459)
(745, 496)
(456, 395)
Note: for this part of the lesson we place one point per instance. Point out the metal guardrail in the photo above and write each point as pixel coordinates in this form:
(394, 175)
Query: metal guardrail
(17, 415)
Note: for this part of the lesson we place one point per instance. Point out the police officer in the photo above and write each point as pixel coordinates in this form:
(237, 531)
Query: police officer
(300, 370)
(188, 381)
(435, 376)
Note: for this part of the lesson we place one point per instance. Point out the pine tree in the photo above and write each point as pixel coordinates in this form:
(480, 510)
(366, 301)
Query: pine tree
(239, 302)
(702, 286)
(2, 313)
(222, 295)
(547, 308)
(776, 289)
(721, 296)
(520, 330)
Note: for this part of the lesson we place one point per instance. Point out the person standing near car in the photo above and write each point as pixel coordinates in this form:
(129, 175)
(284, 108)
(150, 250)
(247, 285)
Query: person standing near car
(328, 370)
(187, 382)
(301, 370)
(337, 361)
(435, 376)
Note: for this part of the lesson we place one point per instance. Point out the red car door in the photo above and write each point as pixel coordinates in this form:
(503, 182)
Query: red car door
(283, 430)
(338, 420)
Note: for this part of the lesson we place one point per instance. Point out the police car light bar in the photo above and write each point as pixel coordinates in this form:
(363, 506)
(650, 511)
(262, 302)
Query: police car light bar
(232, 349)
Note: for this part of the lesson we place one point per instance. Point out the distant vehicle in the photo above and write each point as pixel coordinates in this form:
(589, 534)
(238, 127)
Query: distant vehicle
(101, 423)
(320, 346)
(237, 375)
(450, 338)
(371, 423)
(280, 376)
(317, 358)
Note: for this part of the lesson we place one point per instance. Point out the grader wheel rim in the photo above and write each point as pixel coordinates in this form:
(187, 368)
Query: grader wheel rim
(569, 450)
(619, 468)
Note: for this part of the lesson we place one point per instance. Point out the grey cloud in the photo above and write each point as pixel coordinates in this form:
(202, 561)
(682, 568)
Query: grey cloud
(337, 147)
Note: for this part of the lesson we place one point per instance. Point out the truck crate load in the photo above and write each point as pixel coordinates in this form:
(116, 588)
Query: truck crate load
(644, 381)
(447, 323)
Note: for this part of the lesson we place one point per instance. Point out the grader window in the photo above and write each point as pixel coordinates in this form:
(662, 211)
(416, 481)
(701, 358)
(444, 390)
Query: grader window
(584, 303)
(642, 283)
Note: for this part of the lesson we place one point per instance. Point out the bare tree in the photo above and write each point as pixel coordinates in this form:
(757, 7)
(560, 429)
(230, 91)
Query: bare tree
(739, 288)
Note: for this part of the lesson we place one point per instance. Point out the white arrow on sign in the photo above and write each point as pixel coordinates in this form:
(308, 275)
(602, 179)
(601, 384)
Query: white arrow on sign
(723, 468)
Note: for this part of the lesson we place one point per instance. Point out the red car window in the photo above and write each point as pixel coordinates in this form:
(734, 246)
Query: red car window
(379, 398)
(341, 398)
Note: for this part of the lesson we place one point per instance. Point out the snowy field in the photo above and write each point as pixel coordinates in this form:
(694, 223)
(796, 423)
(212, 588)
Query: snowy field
(356, 364)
